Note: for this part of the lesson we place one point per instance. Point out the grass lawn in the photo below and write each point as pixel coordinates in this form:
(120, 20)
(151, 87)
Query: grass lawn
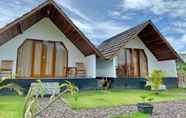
(11, 106)
(135, 115)
(100, 98)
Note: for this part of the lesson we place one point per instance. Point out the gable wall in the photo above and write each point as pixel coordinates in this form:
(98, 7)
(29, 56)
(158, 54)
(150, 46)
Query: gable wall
(43, 30)
(168, 66)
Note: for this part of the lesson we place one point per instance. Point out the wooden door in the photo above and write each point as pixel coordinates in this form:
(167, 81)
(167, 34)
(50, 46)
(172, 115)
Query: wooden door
(37, 58)
(43, 59)
(50, 59)
(47, 59)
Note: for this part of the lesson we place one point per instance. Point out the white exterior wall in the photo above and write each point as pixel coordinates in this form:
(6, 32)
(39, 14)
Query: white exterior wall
(105, 68)
(43, 30)
(169, 67)
(90, 63)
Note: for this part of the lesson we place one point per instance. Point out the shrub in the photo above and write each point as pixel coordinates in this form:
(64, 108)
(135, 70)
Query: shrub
(156, 79)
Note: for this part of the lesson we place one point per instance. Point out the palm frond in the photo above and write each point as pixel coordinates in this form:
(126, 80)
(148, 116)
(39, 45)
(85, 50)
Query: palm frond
(12, 86)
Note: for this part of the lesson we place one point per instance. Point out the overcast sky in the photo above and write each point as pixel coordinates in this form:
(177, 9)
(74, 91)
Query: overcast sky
(101, 19)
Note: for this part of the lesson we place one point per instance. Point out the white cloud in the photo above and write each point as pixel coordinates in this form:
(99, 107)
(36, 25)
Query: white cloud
(115, 13)
(175, 27)
(183, 39)
(95, 30)
(158, 7)
(99, 31)
(12, 9)
(178, 44)
(69, 5)
(136, 4)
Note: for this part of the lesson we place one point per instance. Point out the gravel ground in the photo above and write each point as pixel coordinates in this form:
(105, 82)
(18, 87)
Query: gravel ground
(174, 109)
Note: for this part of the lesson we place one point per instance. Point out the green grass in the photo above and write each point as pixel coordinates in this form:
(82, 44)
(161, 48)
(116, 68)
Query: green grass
(134, 115)
(11, 106)
(100, 98)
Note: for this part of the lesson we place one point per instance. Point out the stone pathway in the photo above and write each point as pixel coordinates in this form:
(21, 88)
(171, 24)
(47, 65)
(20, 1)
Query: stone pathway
(174, 109)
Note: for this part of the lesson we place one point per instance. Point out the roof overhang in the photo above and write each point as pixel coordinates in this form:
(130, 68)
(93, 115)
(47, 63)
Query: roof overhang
(51, 10)
(157, 44)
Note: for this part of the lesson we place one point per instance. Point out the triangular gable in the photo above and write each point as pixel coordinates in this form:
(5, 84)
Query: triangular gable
(148, 34)
(51, 10)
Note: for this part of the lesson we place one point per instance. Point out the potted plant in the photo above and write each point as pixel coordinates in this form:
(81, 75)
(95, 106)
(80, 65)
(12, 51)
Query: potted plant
(145, 106)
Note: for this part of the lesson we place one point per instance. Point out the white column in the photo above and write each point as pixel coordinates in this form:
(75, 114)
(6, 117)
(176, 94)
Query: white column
(115, 62)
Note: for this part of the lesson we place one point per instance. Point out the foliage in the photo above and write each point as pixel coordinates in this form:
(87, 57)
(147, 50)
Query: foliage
(11, 86)
(134, 115)
(146, 98)
(156, 78)
(32, 99)
(181, 67)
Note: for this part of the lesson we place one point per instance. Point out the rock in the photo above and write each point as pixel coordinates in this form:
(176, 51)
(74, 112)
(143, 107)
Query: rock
(173, 109)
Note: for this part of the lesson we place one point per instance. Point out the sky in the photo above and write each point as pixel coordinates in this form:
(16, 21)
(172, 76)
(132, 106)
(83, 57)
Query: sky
(102, 19)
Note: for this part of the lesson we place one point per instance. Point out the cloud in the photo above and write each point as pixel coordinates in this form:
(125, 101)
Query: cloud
(173, 8)
(12, 9)
(99, 31)
(119, 15)
(95, 30)
(69, 5)
(176, 26)
(178, 44)
(136, 4)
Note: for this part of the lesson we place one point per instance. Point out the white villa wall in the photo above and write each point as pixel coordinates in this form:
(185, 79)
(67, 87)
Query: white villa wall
(43, 30)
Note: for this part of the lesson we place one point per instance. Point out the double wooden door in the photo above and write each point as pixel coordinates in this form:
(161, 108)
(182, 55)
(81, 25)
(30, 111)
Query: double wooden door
(47, 59)
(132, 63)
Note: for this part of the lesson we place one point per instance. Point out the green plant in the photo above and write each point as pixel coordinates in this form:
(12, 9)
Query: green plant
(181, 66)
(32, 100)
(146, 98)
(11, 86)
(156, 79)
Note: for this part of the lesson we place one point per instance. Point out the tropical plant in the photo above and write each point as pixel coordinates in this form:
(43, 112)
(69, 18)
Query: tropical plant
(156, 79)
(32, 99)
(11, 86)
(146, 98)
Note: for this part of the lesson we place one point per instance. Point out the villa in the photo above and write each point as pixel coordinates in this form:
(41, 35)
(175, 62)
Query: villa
(45, 44)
